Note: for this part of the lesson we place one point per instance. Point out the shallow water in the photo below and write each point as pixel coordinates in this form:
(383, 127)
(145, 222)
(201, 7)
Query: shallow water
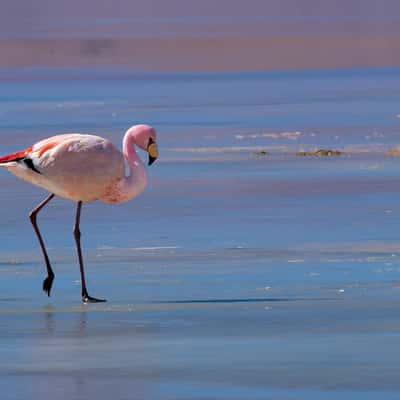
(234, 275)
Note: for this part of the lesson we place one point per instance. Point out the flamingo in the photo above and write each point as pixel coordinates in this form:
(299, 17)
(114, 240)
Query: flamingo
(83, 168)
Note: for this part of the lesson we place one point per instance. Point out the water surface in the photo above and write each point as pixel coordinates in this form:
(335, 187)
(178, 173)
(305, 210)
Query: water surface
(235, 275)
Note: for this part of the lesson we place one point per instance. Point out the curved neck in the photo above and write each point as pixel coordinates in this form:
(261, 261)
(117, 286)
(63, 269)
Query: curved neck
(134, 183)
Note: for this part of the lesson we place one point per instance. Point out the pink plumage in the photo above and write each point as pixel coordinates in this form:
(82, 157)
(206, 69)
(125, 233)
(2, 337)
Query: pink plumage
(83, 168)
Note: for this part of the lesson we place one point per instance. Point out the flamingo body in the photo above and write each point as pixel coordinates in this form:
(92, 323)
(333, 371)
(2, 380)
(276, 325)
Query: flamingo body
(83, 168)
(72, 166)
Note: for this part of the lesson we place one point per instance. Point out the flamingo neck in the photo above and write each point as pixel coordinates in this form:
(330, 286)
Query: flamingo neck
(134, 183)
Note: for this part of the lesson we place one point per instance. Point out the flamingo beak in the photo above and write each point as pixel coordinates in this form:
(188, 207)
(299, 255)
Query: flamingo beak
(152, 150)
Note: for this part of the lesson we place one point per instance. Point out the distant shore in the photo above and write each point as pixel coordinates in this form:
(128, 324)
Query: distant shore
(205, 53)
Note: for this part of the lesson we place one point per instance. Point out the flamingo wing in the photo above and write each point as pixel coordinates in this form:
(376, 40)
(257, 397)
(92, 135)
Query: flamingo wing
(31, 155)
(74, 166)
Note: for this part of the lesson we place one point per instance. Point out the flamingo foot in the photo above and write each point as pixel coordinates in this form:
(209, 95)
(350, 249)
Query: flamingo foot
(48, 283)
(89, 299)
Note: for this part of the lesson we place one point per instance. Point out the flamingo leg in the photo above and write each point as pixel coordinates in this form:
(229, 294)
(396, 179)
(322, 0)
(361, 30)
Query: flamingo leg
(48, 282)
(77, 234)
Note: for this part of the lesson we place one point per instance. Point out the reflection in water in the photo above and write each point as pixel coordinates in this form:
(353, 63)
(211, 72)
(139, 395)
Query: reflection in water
(49, 319)
(76, 355)
(63, 343)
(79, 327)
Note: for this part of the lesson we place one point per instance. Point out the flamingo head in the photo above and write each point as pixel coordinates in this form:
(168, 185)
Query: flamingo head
(146, 139)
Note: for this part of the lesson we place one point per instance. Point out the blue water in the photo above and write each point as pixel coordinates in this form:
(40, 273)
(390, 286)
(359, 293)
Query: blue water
(233, 275)
(339, 106)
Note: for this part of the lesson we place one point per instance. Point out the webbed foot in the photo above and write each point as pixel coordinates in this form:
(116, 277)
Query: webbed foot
(89, 299)
(48, 283)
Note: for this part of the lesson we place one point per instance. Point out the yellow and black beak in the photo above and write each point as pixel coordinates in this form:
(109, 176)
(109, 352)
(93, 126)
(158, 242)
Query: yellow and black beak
(152, 150)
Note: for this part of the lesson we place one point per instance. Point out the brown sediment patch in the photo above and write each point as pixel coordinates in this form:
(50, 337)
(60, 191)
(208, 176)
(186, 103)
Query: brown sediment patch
(319, 153)
(393, 152)
(204, 53)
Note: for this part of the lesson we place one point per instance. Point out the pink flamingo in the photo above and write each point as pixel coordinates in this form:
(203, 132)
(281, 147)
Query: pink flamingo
(83, 168)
